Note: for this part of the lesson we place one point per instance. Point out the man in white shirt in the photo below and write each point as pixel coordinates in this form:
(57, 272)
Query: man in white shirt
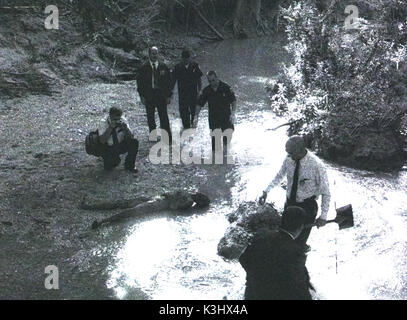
(117, 139)
(306, 181)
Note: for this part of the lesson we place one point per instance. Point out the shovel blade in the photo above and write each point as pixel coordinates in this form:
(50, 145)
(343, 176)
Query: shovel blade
(344, 217)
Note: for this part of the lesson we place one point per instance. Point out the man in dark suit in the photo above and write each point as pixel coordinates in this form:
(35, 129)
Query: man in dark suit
(154, 86)
(188, 75)
(275, 262)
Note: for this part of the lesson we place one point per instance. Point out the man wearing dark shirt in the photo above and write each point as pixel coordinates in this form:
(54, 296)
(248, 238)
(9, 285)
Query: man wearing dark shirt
(275, 263)
(188, 74)
(221, 105)
(155, 88)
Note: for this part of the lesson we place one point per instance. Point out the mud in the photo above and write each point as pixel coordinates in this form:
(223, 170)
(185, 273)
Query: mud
(45, 174)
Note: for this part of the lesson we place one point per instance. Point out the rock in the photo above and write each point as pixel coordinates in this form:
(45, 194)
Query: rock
(368, 150)
(245, 221)
(121, 60)
(377, 151)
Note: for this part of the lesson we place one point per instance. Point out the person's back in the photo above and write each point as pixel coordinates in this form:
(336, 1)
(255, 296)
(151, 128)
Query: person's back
(275, 267)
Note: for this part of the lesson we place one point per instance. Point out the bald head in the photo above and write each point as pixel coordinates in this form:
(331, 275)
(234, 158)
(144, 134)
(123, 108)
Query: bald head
(295, 147)
(153, 54)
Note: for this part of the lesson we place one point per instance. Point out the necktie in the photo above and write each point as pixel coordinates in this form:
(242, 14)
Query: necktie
(293, 193)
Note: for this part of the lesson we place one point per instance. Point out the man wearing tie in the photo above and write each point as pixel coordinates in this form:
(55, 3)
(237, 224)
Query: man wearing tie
(306, 180)
(154, 86)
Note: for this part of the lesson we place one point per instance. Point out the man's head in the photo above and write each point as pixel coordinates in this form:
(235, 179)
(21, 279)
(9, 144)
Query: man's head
(115, 115)
(293, 220)
(212, 79)
(153, 54)
(185, 56)
(295, 147)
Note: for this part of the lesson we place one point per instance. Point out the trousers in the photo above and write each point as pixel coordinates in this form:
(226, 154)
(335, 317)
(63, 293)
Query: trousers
(111, 154)
(158, 102)
(187, 113)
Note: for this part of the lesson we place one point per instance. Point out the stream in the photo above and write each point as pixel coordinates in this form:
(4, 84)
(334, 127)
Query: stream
(176, 258)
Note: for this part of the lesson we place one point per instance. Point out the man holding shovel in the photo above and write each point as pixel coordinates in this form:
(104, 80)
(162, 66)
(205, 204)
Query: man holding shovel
(306, 181)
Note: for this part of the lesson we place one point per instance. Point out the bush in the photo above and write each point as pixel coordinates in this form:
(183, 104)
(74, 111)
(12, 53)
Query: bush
(346, 83)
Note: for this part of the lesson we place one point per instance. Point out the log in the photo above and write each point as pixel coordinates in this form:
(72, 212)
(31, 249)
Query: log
(284, 124)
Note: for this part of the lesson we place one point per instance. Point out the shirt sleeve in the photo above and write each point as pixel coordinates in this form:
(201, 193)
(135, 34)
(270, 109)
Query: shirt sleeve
(231, 95)
(129, 133)
(203, 98)
(174, 76)
(167, 82)
(278, 177)
(198, 72)
(141, 81)
(324, 191)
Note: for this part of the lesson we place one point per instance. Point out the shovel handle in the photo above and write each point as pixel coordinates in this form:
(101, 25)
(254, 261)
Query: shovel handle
(310, 225)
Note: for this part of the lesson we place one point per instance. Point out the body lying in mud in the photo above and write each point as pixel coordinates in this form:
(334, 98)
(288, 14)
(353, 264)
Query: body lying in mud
(137, 208)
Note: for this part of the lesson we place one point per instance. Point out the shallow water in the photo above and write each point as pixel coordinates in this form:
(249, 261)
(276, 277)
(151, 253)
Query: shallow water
(176, 258)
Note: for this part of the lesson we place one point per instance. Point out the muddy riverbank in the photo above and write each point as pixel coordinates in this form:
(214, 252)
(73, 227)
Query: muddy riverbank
(45, 173)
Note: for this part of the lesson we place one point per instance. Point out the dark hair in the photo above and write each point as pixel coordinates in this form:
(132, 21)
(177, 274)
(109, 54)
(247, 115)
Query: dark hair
(212, 73)
(114, 111)
(293, 218)
(185, 54)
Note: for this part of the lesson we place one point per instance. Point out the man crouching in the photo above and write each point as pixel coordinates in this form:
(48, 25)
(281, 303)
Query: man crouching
(117, 139)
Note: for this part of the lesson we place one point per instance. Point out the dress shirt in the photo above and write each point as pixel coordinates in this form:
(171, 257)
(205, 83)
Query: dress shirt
(312, 180)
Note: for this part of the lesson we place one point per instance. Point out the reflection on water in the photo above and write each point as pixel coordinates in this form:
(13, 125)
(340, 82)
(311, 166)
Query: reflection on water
(367, 261)
(175, 258)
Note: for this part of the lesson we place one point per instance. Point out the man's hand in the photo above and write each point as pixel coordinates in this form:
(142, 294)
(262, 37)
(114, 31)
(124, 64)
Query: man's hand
(320, 222)
(168, 100)
(262, 199)
(232, 118)
(112, 123)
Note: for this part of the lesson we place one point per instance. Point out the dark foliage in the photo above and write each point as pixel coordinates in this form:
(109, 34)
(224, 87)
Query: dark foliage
(347, 87)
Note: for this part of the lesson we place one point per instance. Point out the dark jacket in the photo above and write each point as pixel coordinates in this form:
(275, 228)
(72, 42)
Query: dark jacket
(219, 104)
(144, 81)
(187, 79)
(275, 268)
